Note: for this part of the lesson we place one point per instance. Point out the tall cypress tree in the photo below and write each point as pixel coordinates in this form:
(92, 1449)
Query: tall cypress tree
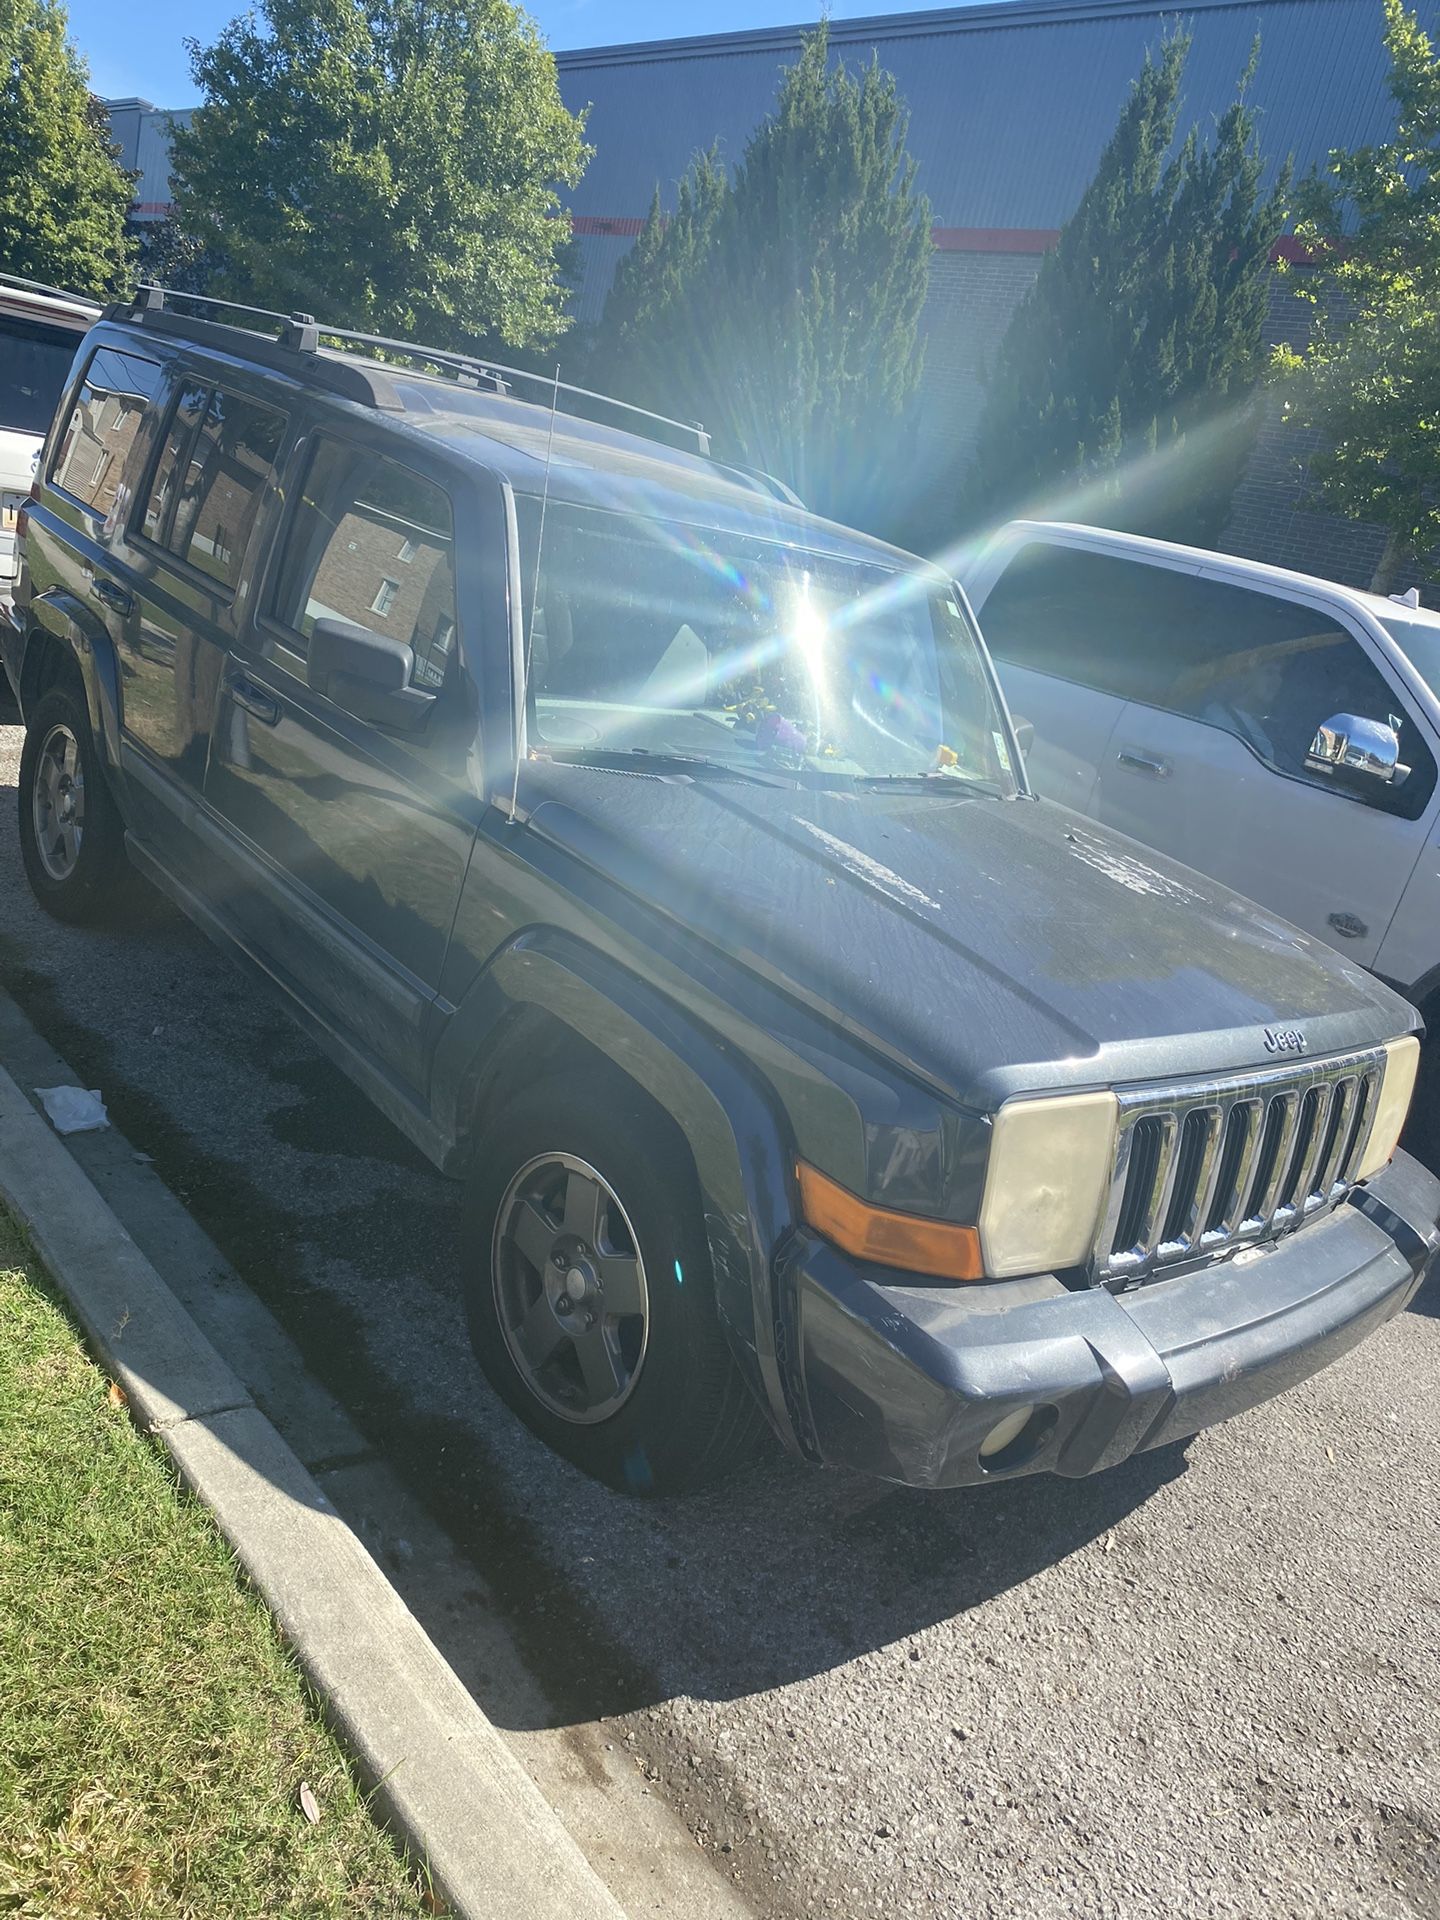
(1123, 388)
(649, 311)
(782, 307)
(63, 198)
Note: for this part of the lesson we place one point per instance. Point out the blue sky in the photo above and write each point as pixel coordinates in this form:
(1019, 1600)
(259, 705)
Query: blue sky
(128, 57)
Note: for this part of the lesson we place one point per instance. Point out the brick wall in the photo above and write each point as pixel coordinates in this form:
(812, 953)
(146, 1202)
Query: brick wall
(971, 299)
(1270, 516)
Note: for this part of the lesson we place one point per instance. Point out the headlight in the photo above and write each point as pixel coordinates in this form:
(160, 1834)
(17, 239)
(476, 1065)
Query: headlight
(1048, 1179)
(1402, 1060)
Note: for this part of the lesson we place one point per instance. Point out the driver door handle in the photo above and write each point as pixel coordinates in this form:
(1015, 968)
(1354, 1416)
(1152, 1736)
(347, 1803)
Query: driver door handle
(1144, 763)
(110, 595)
(254, 700)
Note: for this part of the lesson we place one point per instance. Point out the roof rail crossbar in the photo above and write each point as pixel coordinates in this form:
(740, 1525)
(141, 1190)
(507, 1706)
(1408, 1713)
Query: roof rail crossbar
(304, 333)
(496, 370)
(295, 330)
(769, 483)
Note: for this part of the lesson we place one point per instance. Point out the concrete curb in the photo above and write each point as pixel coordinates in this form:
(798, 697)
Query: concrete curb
(442, 1775)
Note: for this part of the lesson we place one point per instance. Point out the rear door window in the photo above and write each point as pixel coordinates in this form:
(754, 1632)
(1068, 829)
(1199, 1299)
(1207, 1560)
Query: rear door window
(91, 458)
(1103, 622)
(371, 542)
(34, 366)
(216, 459)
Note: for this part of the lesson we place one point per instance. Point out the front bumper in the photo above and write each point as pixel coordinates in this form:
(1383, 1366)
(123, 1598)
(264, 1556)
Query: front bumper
(907, 1381)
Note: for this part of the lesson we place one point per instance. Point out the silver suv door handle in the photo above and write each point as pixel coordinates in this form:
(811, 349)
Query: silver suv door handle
(1144, 763)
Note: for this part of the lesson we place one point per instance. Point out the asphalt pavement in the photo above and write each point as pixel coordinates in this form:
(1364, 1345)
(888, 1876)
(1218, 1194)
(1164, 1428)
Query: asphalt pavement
(1206, 1683)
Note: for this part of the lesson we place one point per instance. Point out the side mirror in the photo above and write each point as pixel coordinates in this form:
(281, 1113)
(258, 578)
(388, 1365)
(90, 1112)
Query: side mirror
(1349, 744)
(368, 674)
(1024, 733)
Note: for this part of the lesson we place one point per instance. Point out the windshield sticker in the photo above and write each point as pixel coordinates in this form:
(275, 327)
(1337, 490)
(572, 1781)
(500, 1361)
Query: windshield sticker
(865, 868)
(1126, 870)
(1002, 752)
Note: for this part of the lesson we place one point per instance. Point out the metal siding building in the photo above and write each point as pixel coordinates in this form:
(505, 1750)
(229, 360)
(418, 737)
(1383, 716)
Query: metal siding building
(1010, 106)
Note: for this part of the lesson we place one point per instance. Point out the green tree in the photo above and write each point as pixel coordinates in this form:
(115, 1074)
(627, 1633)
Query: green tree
(1369, 379)
(1126, 375)
(782, 307)
(650, 310)
(389, 163)
(63, 198)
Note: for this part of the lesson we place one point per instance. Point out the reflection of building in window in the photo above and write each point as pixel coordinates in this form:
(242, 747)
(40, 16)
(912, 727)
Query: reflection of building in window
(102, 428)
(395, 513)
(431, 657)
(226, 480)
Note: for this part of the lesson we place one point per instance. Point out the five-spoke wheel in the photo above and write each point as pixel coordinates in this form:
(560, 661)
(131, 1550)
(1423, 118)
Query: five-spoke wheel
(589, 1286)
(57, 802)
(570, 1287)
(71, 837)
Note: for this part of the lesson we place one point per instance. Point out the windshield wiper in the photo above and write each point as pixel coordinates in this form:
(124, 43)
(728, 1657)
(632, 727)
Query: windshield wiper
(621, 759)
(934, 782)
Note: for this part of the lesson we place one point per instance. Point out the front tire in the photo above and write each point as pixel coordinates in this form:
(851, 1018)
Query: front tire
(589, 1292)
(72, 842)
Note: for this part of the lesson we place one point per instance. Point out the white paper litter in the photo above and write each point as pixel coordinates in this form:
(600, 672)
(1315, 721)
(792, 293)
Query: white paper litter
(73, 1110)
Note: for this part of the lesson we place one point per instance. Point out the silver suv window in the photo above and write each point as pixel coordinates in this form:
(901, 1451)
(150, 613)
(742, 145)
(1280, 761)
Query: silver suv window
(1269, 670)
(34, 365)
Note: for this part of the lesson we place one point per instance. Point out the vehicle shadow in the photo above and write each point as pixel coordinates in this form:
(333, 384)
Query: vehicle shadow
(784, 1573)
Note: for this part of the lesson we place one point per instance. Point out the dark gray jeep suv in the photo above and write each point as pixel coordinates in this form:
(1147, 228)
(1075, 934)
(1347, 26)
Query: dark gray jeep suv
(660, 859)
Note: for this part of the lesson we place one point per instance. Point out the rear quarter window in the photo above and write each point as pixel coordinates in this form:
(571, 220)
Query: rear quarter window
(34, 366)
(104, 423)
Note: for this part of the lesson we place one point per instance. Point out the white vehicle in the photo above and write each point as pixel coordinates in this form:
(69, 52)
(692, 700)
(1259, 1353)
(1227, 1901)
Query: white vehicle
(40, 328)
(1276, 731)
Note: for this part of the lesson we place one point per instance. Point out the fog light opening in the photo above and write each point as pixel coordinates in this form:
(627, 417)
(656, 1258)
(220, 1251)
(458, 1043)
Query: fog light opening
(1017, 1438)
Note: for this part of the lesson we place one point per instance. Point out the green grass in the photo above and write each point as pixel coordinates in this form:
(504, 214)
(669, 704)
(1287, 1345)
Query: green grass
(153, 1730)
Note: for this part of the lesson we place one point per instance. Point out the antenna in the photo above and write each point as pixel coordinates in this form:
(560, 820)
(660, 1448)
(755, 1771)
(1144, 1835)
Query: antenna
(534, 592)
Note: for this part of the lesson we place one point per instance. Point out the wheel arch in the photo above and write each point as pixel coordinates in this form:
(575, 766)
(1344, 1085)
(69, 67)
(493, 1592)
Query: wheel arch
(548, 999)
(65, 641)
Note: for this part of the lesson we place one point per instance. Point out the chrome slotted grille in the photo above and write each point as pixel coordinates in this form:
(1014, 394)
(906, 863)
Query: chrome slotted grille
(1211, 1165)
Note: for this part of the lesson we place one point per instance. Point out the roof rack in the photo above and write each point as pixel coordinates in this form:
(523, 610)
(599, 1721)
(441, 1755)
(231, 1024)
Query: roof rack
(303, 333)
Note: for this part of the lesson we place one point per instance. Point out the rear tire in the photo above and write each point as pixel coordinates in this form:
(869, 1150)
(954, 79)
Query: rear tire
(589, 1292)
(72, 840)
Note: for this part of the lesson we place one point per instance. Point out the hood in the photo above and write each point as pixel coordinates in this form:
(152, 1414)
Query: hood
(990, 945)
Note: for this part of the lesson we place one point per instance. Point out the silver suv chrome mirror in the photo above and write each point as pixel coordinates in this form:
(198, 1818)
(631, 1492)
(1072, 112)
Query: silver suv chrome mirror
(1348, 743)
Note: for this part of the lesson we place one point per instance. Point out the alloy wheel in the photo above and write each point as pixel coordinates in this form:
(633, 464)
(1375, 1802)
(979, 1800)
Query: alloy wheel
(570, 1288)
(57, 802)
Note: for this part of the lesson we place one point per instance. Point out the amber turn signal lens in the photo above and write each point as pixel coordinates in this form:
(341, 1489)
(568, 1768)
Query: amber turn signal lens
(905, 1240)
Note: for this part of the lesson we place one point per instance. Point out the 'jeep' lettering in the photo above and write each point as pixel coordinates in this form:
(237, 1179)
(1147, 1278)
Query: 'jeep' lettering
(1284, 1040)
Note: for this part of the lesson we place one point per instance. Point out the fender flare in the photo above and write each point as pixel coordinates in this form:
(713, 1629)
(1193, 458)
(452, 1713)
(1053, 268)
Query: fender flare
(65, 621)
(731, 1129)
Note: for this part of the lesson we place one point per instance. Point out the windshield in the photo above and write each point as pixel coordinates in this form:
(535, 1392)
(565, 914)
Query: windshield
(652, 638)
(34, 360)
(1419, 640)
